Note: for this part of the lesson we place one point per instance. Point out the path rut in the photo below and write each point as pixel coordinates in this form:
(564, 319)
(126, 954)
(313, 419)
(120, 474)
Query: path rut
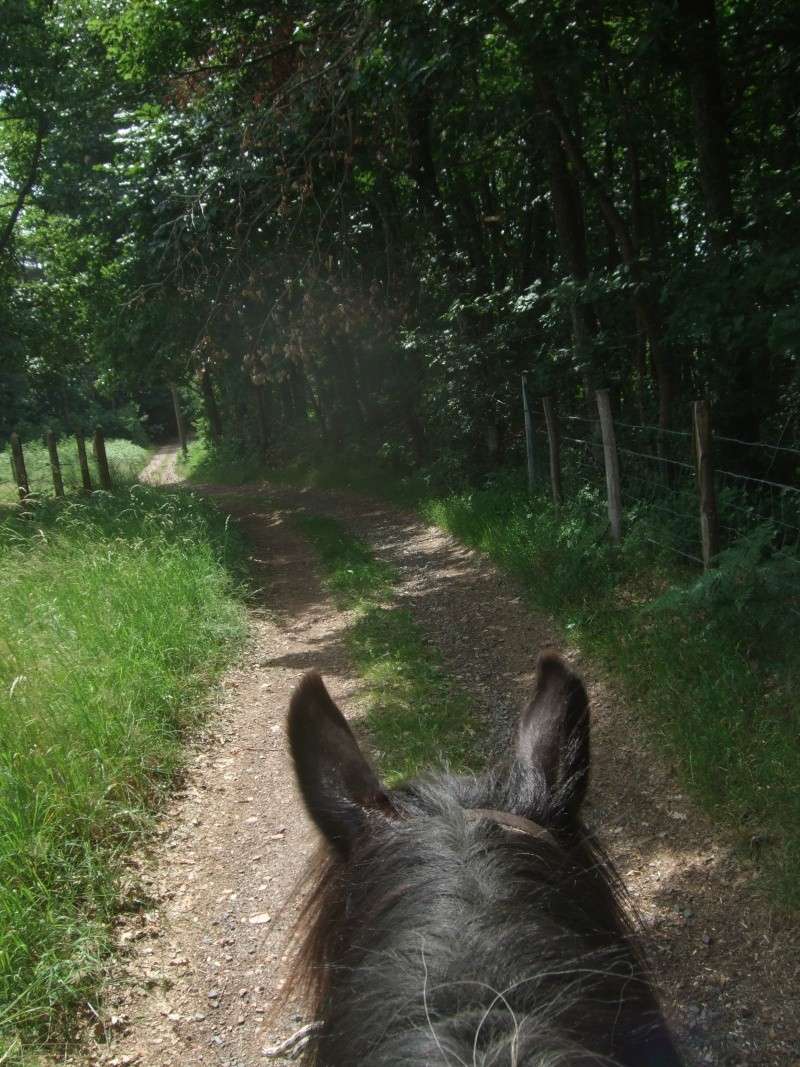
(200, 965)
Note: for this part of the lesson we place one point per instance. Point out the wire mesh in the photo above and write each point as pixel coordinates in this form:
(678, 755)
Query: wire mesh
(756, 483)
(40, 476)
(659, 486)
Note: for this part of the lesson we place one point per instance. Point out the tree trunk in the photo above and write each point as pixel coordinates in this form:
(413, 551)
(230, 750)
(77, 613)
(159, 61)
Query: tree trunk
(263, 416)
(701, 54)
(643, 299)
(571, 232)
(179, 423)
(423, 169)
(210, 405)
(739, 414)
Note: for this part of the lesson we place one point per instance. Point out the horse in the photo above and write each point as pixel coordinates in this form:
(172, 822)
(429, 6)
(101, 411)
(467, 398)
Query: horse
(468, 921)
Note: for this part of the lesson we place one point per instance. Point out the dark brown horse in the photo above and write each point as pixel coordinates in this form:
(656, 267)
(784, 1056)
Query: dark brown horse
(469, 921)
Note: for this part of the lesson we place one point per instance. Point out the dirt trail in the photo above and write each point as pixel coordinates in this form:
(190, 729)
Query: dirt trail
(162, 468)
(200, 965)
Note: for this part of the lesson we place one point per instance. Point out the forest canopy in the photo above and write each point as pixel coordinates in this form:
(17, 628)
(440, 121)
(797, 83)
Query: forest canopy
(369, 216)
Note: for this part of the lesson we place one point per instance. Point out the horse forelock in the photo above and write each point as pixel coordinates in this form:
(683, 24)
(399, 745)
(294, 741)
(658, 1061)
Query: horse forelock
(448, 939)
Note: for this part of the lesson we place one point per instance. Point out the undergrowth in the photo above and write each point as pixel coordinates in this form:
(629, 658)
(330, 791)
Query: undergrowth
(226, 464)
(125, 459)
(351, 471)
(118, 610)
(415, 716)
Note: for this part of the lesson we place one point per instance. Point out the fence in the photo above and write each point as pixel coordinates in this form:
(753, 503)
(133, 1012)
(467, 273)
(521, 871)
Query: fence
(707, 490)
(46, 469)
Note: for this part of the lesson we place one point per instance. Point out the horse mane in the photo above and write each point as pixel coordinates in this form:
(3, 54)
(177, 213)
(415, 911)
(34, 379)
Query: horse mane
(366, 915)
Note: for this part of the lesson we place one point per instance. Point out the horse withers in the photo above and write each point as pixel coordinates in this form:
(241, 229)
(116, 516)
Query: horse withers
(468, 921)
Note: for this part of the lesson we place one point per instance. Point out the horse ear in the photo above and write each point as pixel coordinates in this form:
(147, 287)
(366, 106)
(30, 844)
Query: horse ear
(553, 736)
(337, 783)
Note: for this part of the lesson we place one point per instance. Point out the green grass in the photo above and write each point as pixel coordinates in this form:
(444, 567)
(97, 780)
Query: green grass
(415, 718)
(712, 663)
(351, 571)
(118, 610)
(124, 458)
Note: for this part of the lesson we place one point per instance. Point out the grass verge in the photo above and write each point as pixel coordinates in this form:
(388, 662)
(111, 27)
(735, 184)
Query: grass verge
(124, 458)
(118, 610)
(711, 662)
(416, 718)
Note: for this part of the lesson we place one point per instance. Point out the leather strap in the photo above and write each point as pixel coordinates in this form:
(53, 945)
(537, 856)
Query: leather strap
(512, 822)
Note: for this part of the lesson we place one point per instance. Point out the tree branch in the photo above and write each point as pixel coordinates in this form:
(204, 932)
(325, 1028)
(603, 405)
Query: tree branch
(25, 188)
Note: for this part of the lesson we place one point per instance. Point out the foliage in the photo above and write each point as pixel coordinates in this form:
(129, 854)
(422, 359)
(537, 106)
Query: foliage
(365, 221)
(357, 471)
(752, 595)
(93, 706)
(226, 463)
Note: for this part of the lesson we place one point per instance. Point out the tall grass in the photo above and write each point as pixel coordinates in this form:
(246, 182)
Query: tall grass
(117, 610)
(124, 458)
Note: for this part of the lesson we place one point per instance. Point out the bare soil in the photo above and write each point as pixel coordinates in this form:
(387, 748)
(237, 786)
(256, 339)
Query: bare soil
(202, 951)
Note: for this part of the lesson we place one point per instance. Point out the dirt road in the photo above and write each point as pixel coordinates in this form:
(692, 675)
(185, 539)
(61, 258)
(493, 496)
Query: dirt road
(202, 956)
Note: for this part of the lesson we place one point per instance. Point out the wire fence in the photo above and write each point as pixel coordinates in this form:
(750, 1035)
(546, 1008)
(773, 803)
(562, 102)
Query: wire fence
(30, 473)
(754, 484)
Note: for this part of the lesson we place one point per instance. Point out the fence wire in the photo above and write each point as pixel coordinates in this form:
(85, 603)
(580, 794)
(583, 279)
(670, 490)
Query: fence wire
(40, 475)
(756, 484)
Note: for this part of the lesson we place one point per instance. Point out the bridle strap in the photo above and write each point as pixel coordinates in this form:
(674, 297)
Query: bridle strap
(512, 822)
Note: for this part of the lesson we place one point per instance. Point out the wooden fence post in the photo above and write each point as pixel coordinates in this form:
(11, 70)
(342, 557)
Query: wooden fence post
(611, 464)
(102, 460)
(178, 417)
(83, 462)
(18, 467)
(554, 441)
(709, 517)
(55, 465)
(526, 407)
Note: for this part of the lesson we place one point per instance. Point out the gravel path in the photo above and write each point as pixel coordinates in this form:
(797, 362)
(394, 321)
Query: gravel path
(202, 957)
